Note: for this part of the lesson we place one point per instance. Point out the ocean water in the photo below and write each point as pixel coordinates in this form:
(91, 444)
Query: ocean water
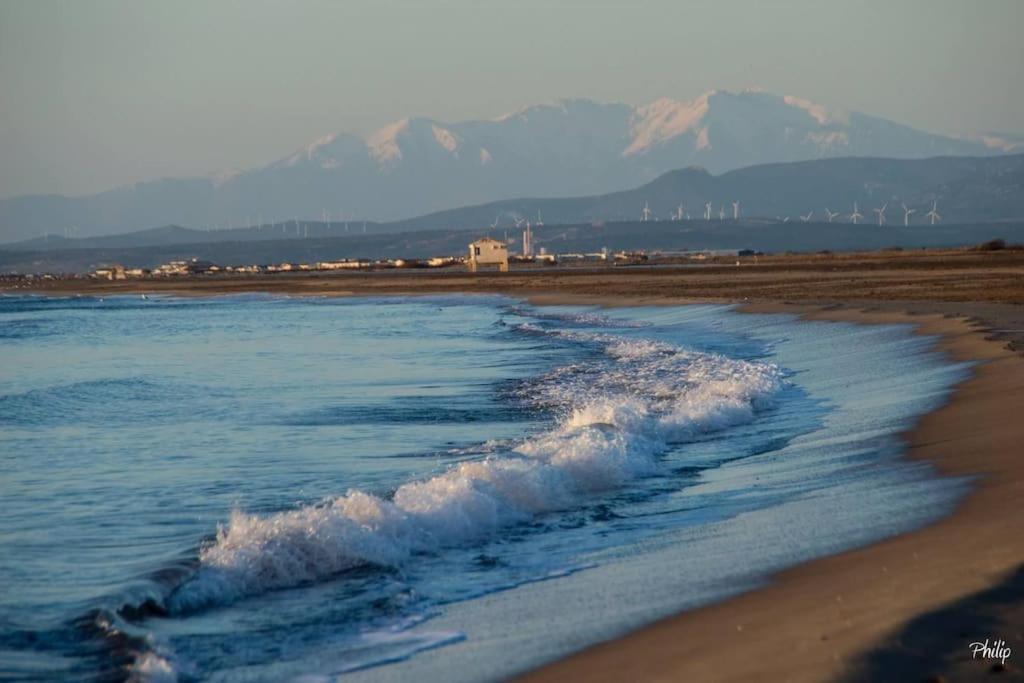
(254, 488)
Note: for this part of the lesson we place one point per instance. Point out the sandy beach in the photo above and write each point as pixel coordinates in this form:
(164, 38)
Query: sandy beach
(902, 610)
(905, 609)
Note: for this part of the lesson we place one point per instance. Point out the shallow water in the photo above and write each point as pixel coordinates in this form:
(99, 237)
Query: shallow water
(256, 488)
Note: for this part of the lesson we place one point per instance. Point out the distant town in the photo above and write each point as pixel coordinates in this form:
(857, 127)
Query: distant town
(499, 259)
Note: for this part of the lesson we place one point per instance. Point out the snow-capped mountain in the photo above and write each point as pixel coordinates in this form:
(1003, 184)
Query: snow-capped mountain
(418, 165)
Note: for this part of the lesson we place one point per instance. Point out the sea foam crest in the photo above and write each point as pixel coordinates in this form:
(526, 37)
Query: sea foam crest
(617, 416)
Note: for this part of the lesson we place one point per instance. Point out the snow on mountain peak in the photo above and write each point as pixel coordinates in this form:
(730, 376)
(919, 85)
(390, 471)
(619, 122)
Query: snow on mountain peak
(564, 107)
(719, 128)
(312, 149)
(445, 138)
(663, 120)
(383, 143)
(818, 112)
(1001, 142)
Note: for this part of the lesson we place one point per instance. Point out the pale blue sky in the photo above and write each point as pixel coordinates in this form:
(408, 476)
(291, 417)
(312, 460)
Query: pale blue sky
(94, 93)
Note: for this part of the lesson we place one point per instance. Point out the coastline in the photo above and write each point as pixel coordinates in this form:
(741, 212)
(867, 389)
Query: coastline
(850, 616)
(842, 617)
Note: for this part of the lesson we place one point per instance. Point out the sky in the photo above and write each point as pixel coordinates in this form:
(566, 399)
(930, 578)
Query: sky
(100, 93)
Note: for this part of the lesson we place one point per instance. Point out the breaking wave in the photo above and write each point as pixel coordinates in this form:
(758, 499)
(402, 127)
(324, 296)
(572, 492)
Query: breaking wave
(616, 416)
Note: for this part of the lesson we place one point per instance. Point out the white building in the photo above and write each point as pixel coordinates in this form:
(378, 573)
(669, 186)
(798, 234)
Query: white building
(488, 252)
(344, 264)
(114, 272)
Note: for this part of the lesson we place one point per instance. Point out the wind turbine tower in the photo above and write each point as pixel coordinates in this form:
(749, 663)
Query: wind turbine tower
(934, 214)
(707, 211)
(721, 213)
(736, 211)
(906, 215)
(540, 222)
(856, 215)
(645, 215)
(881, 213)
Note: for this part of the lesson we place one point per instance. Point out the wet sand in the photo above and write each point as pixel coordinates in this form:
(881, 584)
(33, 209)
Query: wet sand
(905, 609)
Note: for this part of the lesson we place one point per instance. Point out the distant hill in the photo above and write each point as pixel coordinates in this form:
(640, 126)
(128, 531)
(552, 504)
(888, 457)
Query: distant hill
(966, 190)
(418, 165)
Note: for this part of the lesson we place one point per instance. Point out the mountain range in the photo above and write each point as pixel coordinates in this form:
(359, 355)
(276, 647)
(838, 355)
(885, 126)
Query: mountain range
(419, 165)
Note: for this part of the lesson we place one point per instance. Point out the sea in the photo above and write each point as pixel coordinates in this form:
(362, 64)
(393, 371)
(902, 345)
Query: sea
(457, 488)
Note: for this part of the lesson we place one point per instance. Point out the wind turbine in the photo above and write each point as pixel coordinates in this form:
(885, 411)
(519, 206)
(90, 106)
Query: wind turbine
(830, 214)
(856, 215)
(736, 210)
(495, 223)
(707, 211)
(646, 213)
(807, 218)
(881, 213)
(934, 214)
(520, 221)
(906, 215)
(679, 213)
(539, 223)
(721, 213)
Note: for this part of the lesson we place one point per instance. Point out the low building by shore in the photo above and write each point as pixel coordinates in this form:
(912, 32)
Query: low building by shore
(113, 272)
(488, 252)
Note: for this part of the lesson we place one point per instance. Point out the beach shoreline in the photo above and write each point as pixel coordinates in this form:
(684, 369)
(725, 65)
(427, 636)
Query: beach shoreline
(846, 616)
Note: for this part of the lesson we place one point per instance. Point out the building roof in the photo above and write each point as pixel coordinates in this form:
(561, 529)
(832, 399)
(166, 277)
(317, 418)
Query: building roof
(485, 240)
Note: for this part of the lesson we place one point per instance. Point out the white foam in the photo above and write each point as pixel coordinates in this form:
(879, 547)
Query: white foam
(618, 416)
(153, 668)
